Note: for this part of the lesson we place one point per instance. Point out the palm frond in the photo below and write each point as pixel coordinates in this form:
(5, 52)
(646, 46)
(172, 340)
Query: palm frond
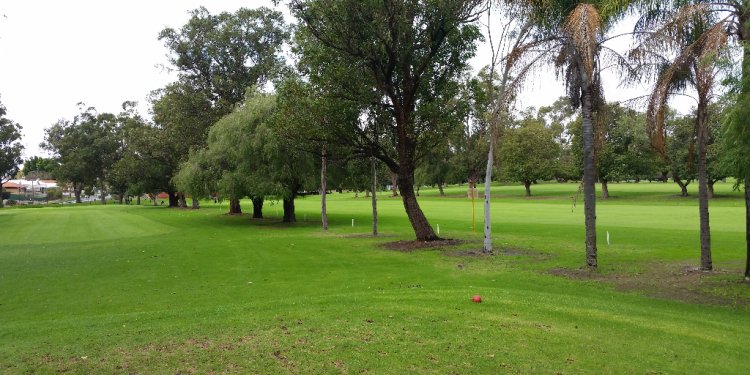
(584, 27)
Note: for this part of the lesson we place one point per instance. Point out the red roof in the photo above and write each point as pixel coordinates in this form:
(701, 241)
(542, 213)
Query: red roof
(162, 195)
(11, 185)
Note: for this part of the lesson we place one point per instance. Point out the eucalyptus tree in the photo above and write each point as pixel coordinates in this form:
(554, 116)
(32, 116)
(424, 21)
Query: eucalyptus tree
(400, 57)
(11, 149)
(697, 42)
(573, 34)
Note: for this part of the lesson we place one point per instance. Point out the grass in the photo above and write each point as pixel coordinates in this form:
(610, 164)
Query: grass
(121, 289)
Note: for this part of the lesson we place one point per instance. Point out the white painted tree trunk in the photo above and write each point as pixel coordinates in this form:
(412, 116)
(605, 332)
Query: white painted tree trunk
(487, 183)
(374, 199)
(323, 188)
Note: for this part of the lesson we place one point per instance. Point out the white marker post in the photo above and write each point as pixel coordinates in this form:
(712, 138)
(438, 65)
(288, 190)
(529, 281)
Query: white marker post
(607, 237)
(438, 229)
(352, 223)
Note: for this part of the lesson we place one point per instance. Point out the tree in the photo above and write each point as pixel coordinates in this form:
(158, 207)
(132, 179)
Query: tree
(529, 152)
(697, 42)
(86, 148)
(218, 57)
(10, 149)
(734, 15)
(42, 166)
(572, 33)
(400, 57)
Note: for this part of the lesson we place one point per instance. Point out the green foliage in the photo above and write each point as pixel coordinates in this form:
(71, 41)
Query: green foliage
(42, 167)
(529, 151)
(86, 147)
(221, 55)
(10, 147)
(626, 151)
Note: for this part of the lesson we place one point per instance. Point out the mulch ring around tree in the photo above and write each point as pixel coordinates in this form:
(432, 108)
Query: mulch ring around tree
(674, 281)
(409, 246)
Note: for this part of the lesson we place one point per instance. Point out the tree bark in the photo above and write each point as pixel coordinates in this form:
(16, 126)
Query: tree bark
(605, 189)
(527, 186)
(234, 206)
(289, 216)
(395, 184)
(323, 187)
(710, 186)
(258, 207)
(440, 189)
(682, 185)
(194, 203)
(747, 228)
(183, 202)
(487, 246)
(418, 220)
(589, 174)
(173, 199)
(374, 189)
(102, 196)
(77, 192)
(138, 200)
(705, 230)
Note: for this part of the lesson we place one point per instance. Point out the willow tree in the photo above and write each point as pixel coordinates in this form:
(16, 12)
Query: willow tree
(402, 57)
(574, 34)
(697, 40)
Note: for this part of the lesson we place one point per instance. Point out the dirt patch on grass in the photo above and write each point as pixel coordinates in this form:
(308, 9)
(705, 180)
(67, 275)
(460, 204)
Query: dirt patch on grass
(367, 235)
(409, 246)
(675, 281)
(509, 252)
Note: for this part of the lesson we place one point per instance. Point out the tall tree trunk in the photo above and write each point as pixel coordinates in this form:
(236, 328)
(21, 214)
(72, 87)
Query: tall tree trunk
(77, 192)
(195, 204)
(234, 206)
(258, 207)
(418, 220)
(103, 196)
(589, 177)
(440, 189)
(487, 246)
(374, 189)
(138, 200)
(174, 201)
(527, 186)
(747, 228)
(394, 184)
(183, 202)
(121, 199)
(682, 185)
(367, 193)
(710, 186)
(605, 189)
(289, 216)
(2, 190)
(705, 230)
(323, 187)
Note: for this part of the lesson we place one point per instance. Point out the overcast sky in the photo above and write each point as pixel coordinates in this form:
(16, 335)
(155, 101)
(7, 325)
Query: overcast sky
(56, 54)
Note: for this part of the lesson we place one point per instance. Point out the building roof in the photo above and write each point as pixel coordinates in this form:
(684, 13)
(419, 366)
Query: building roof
(11, 185)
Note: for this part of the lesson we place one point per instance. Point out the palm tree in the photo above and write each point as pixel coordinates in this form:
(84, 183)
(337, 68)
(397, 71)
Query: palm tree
(735, 14)
(573, 33)
(696, 38)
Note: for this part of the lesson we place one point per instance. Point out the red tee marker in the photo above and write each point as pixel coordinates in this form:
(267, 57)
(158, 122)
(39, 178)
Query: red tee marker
(476, 299)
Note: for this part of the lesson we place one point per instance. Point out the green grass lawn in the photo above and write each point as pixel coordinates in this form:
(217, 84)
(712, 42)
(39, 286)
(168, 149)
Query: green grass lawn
(126, 289)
